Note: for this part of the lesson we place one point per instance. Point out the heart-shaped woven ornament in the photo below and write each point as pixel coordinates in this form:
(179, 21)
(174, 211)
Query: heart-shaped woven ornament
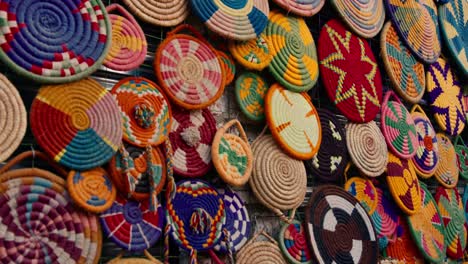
(292, 46)
(447, 171)
(54, 41)
(462, 156)
(364, 191)
(251, 89)
(293, 243)
(404, 249)
(166, 13)
(254, 54)
(385, 218)
(349, 72)
(306, 8)
(77, 124)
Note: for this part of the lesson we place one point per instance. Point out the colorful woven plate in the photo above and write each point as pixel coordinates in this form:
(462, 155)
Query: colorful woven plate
(364, 191)
(453, 214)
(416, 23)
(294, 63)
(13, 118)
(229, 66)
(131, 225)
(447, 171)
(406, 73)
(349, 73)
(188, 69)
(453, 24)
(338, 228)
(305, 8)
(293, 243)
(251, 89)
(427, 228)
(160, 12)
(462, 156)
(260, 251)
(254, 54)
(385, 217)
(91, 190)
(77, 124)
(146, 114)
(403, 184)
(128, 49)
(293, 122)
(329, 163)
(54, 41)
(445, 97)
(398, 127)
(427, 154)
(404, 248)
(365, 18)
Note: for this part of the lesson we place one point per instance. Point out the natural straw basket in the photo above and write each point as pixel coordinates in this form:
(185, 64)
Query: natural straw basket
(54, 41)
(364, 191)
(129, 47)
(349, 72)
(404, 248)
(405, 71)
(260, 251)
(77, 124)
(13, 118)
(292, 46)
(293, 243)
(166, 13)
(447, 171)
(149, 259)
(462, 156)
(251, 89)
(306, 8)
(385, 217)
(254, 54)
(367, 148)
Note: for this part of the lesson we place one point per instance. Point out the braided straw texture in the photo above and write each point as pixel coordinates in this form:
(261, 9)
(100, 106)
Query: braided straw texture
(146, 113)
(292, 46)
(349, 72)
(365, 18)
(306, 8)
(404, 249)
(386, 216)
(462, 156)
(260, 251)
(453, 214)
(447, 171)
(338, 228)
(251, 89)
(54, 41)
(453, 24)
(91, 190)
(129, 46)
(166, 13)
(254, 54)
(405, 71)
(229, 66)
(77, 124)
(131, 225)
(417, 25)
(293, 243)
(427, 228)
(364, 191)
(149, 260)
(367, 148)
(445, 97)
(293, 122)
(13, 119)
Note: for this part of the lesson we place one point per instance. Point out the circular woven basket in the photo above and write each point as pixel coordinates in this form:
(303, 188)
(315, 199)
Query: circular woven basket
(293, 122)
(462, 156)
(293, 243)
(306, 8)
(166, 13)
(251, 89)
(229, 66)
(189, 69)
(92, 190)
(398, 127)
(447, 171)
(329, 163)
(453, 26)
(453, 214)
(77, 124)
(403, 184)
(405, 71)
(129, 47)
(349, 72)
(364, 191)
(404, 248)
(146, 113)
(365, 18)
(386, 216)
(292, 46)
(231, 154)
(367, 148)
(149, 260)
(445, 97)
(13, 118)
(417, 25)
(254, 54)
(338, 227)
(132, 225)
(54, 41)
(427, 228)
(261, 251)
(427, 154)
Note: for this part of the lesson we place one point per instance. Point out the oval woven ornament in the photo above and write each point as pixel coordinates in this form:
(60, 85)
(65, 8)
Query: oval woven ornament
(293, 243)
(166, 13)
(54, 41)
(338, 227)
(349, 72)
(386, 216)
(364, 191)
(260, 251)
(306, 8)
(447, 172)
(254, 54)
(251, 89)
(293, 122)
(292, 46)
(462, 156)
(404, 248)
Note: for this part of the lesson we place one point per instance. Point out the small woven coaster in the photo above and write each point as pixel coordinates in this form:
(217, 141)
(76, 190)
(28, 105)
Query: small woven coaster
(251, 89)
(293, 243)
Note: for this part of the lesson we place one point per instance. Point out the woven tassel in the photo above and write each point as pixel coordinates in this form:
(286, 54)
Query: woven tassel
(193, 257)
(126, 160)
(227, 240)
(152, 179)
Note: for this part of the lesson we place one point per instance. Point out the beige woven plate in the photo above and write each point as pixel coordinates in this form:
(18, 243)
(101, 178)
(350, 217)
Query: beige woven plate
(166, 13)
(260, 251)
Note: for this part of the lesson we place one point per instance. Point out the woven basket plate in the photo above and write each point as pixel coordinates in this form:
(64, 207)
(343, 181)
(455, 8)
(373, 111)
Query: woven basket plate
(447, 171)
(338, 227)
(386, 216)
(364, 191)
(77, 124)
(404, 249)
(260, 252)
(416, 23)
(293, 243)
(305, 8)
(294, 63)
(293, 122)
(166, 13)
(462, 157)
(349, 73)
(54, 41)
(251, 89)
(253, 54)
